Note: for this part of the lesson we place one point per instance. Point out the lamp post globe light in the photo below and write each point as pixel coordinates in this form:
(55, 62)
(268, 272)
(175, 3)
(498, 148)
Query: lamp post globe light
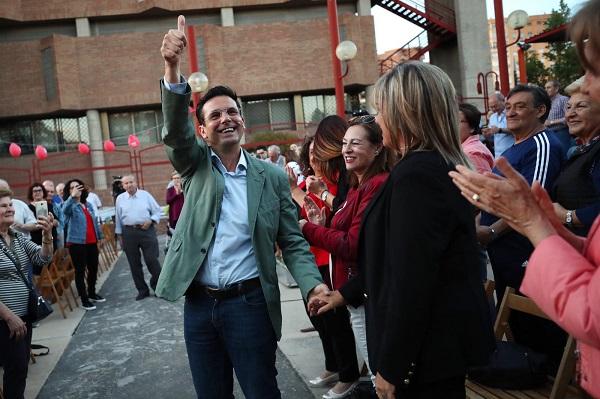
(198, 82)
(346, 50)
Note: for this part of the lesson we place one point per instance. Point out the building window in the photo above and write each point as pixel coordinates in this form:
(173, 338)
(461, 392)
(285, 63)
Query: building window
(318, 107)
(144, 124)
(274, 114)
(58, 134)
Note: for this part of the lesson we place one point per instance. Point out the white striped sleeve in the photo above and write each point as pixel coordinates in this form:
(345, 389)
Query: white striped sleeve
(542, 159)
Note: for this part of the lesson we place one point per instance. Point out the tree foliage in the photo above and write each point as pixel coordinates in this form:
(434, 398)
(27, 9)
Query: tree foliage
(563, 56)
(537, 73)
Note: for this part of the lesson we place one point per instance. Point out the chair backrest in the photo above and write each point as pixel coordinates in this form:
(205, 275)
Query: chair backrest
(513, 301)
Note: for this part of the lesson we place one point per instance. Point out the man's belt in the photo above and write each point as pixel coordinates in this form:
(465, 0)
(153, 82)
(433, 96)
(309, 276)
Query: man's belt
(134, 226)
(235, 290)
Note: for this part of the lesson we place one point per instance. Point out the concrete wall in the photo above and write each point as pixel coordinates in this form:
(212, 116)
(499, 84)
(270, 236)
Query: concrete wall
(469, 53)
(473, 46)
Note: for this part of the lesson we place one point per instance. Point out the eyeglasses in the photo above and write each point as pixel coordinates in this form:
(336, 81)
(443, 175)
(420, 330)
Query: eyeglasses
(362, 120)
(37, 190)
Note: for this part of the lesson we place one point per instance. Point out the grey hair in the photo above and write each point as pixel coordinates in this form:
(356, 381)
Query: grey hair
(275, 148)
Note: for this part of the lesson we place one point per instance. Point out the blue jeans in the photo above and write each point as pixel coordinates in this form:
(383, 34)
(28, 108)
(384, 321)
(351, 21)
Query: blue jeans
(232, 334)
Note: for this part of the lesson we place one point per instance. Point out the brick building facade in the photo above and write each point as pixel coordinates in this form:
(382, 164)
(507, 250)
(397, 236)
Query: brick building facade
(86, 71)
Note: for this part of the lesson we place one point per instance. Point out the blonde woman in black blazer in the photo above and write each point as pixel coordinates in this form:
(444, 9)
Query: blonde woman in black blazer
(427, 319)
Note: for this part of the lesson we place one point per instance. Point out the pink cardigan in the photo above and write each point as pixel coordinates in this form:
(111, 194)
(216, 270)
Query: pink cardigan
(566, 286)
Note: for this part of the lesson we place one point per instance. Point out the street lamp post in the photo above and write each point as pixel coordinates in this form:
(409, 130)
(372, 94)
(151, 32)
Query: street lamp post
(340, 53)
(482, 87)
(501, 46)
(197, 80)
(334, 38)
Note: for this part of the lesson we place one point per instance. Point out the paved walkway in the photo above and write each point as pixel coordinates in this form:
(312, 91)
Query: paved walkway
(128, 349)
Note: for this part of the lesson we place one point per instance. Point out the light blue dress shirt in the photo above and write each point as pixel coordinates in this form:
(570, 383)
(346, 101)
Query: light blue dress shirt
(135, 209)
(502, 141)
(230, 257)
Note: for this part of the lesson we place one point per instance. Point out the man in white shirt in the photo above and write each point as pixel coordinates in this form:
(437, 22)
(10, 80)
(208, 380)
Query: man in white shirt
(503, 138)
(136, 213)
(25, 220)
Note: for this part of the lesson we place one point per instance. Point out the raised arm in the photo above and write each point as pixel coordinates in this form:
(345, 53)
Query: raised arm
(183, 148)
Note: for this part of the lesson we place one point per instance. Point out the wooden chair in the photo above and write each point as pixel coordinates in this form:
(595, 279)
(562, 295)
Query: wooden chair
(50, 283)
(66, 271)
(556, 388)
(109, 235)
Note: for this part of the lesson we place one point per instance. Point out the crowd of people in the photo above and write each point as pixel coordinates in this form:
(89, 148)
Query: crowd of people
(399, 256)
(66, 215)
(387, 223)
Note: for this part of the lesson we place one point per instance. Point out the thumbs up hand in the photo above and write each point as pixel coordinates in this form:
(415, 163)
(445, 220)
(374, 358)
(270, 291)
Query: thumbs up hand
(173, 47)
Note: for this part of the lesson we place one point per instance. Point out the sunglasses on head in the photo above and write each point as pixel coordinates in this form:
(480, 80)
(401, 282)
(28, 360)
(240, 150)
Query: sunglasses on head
(363, 119)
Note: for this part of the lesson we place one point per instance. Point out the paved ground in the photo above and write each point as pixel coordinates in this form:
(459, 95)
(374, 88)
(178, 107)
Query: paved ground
(128, 349)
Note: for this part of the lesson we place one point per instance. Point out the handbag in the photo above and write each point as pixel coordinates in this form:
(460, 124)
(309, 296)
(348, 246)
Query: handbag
(512, 366)
(37, 307)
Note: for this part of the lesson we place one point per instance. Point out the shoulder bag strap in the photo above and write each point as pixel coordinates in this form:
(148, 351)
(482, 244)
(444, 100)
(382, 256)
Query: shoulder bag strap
(15, 259)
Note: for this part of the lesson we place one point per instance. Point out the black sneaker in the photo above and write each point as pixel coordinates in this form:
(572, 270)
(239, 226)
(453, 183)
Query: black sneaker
(96, 298)
(87, 305)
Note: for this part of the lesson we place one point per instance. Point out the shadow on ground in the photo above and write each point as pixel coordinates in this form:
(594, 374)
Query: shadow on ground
(127, 349)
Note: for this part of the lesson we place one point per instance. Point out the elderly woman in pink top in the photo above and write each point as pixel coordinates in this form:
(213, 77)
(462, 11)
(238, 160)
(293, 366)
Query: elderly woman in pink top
(563, 273)
(469, 119)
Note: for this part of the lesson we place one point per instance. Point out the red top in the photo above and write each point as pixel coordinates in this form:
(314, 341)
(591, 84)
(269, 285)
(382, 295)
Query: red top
(90, 231)
(341, 239)
(321, 256)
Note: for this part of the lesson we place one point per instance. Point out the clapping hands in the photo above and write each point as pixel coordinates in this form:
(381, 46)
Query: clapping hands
(315, 215)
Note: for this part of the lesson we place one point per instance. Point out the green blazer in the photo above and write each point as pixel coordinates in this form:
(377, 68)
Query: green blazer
(271, 214)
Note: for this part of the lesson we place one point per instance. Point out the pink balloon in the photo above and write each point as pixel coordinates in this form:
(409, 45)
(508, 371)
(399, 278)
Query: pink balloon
(133, 141)
(14, 150)
(40, 152)
(83, 148)
(109, 146)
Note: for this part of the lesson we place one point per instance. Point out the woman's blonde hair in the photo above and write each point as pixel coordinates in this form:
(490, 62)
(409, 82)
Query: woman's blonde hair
(418, 106)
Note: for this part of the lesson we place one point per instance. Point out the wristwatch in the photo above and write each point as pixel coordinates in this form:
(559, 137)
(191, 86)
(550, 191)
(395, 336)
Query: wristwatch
(569, 218)
(493, 234)
(324, 195)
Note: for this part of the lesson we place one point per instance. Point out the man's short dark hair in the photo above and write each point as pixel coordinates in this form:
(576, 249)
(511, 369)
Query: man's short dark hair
(540, 97)
(213, 92)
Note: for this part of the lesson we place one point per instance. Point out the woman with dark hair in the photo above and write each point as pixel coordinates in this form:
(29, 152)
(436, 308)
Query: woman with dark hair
(82, 237)
(18, 258)
(367, 163)
(327, 153)
(469, 118)
(37, 192)
(333, 328)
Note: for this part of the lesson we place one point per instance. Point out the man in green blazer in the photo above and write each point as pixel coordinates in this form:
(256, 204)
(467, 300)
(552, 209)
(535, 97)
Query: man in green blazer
(222, 254)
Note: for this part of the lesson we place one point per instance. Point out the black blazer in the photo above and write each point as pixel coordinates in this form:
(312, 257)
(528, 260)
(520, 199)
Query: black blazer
(426, 312)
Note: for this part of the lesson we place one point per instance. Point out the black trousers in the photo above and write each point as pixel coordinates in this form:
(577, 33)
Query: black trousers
(135, 240)
(85, 257)
(337, 338)
(14, 358)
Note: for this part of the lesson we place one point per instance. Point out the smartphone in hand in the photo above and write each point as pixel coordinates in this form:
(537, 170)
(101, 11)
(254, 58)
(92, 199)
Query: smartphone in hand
(41, 208)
